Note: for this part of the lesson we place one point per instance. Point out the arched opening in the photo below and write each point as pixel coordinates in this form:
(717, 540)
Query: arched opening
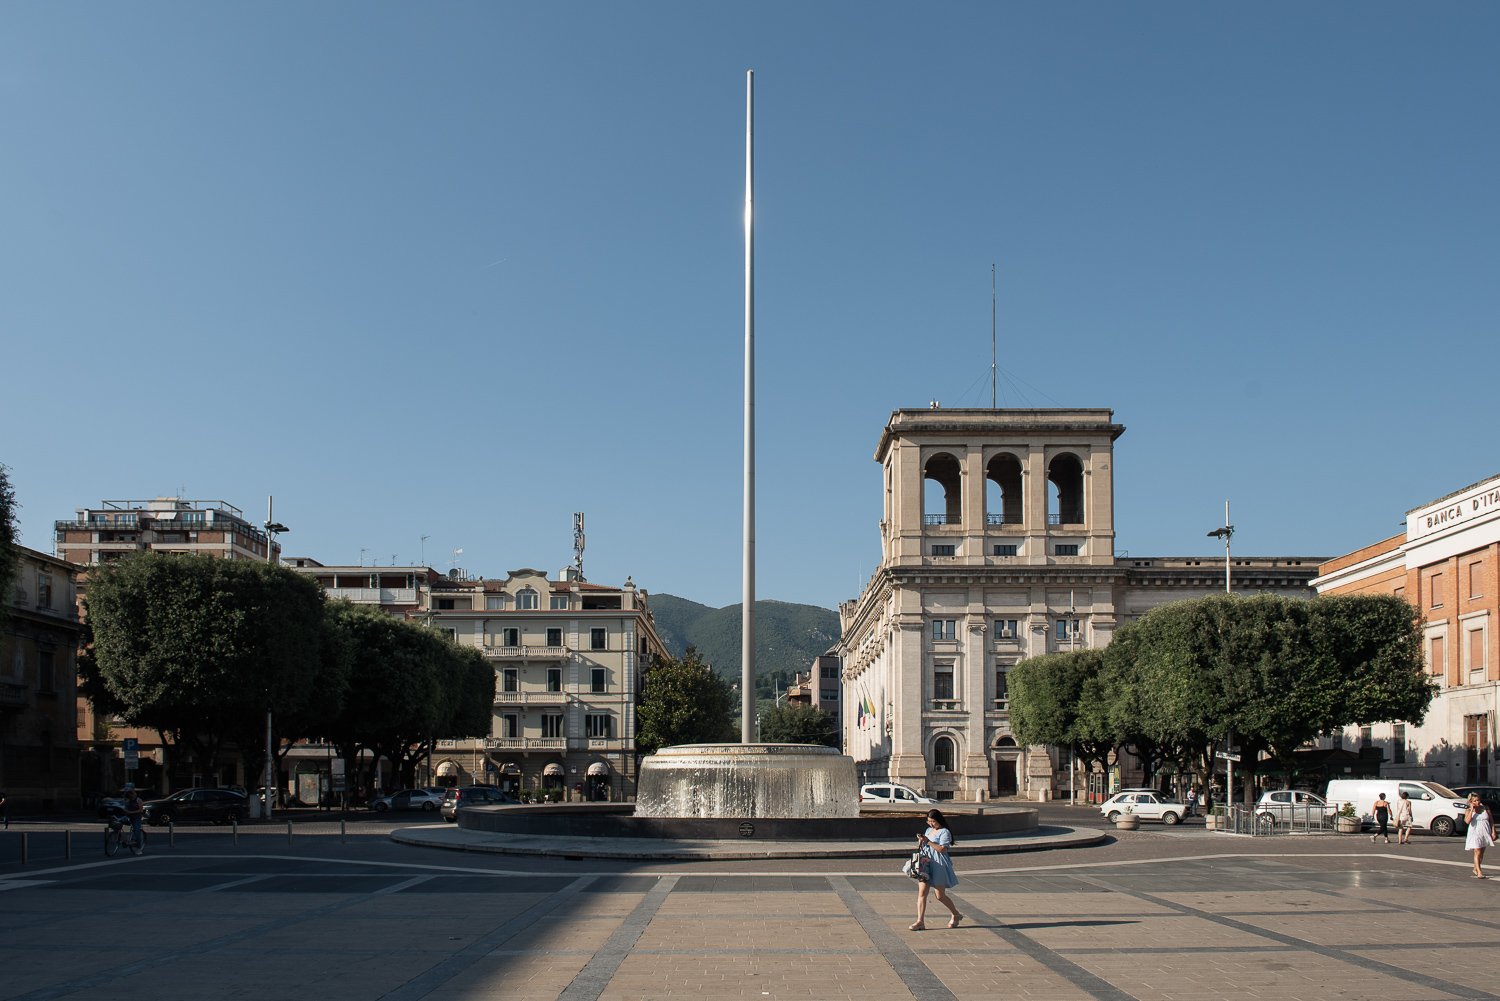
(553, 778)
(1065, 499)
(596, 782)
(1005, 761)
(942, 502)
(1002, 491)
(944, 754)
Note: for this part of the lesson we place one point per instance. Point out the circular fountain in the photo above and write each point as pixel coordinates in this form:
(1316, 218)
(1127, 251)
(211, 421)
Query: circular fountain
(766, 781)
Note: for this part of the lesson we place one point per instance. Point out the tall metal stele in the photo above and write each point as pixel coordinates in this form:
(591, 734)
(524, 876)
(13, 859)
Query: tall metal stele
(747, 619)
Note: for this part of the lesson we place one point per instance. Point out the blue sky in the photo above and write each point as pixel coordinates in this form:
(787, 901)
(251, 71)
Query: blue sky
(462, 269)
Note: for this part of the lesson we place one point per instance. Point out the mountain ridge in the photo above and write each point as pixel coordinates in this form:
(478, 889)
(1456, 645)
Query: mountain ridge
(788, 635)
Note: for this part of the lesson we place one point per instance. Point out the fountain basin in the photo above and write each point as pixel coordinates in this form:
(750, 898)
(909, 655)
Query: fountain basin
(760, 781)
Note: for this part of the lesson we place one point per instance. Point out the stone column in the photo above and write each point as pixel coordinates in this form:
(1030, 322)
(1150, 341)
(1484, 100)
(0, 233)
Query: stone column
(908, 760)
(974, 769)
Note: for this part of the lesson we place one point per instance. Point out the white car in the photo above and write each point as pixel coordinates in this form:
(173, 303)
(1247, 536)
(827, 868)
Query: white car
(1146, 805)
(407, 799)
(1295, 807)
(891, 792)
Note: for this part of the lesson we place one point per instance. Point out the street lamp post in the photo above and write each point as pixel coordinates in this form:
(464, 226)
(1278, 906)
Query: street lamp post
(1226, 533)
(273, 528)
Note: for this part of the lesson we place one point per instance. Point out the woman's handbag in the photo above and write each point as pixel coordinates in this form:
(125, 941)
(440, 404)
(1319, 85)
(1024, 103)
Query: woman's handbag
(916, 867)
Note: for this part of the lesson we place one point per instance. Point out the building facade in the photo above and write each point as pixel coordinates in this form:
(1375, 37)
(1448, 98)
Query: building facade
(1446, 564)
(997, 543)
(820, 686)
(38, 685)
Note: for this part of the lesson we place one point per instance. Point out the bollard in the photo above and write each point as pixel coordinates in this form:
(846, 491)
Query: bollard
(171, 834)
(25, 847)
(289, 834)
(234, 831)
(67, 845)
(342, 832)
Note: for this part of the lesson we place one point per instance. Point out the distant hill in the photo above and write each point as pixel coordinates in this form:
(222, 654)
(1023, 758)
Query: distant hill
(788, 636)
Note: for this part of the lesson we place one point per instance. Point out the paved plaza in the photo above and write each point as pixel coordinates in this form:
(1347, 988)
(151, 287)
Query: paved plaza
(1161, 913)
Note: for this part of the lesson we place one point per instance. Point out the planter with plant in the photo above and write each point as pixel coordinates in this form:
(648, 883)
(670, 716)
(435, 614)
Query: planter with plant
(1128, 821)
(1346, 821)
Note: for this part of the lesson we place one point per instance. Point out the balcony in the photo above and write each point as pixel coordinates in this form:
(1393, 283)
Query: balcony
(511, 699)
(938, 519)
(13, 696)
(375, 595)
(526, 743)
(1002, 705)
(526, 653)
(947, 705)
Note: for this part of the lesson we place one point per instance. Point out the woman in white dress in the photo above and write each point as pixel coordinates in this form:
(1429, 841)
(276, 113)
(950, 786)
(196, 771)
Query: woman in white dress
(1481, 831)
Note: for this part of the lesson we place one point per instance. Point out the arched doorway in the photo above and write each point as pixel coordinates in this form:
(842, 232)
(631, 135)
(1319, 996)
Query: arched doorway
(596, 783)
(448, 774)
(1005, 767)
(553, 777)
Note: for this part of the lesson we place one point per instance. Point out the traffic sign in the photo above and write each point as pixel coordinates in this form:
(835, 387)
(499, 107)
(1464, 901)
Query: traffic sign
(1228, 756)
(132, 748)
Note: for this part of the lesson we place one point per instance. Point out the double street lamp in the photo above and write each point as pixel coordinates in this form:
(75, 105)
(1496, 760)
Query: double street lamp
(273, 528)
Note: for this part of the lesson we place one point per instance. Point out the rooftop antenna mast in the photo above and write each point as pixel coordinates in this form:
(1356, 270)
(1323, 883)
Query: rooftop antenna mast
(578, 544)
(424, 549)
(992, 336)
(747, 610)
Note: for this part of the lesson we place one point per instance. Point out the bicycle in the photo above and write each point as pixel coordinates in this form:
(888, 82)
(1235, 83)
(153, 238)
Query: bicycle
(119, 834)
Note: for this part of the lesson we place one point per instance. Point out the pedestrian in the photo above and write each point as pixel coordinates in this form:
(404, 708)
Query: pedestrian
(1481, 832)
(1382, 810)
(935, 844)
(4, 810)
(1403, 818)
(1192, 800)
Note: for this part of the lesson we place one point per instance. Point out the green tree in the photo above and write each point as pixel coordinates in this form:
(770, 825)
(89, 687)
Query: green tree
(683, 702)
(199, 648)
(10, 559)
(1055, 699)
(797, 723)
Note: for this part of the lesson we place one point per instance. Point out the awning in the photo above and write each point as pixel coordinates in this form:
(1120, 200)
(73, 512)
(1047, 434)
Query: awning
(598, 768)
(446, 768)
(553, 769)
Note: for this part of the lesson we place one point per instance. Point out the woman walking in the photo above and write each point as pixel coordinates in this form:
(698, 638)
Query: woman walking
(934, 843)
(1403, 819)
(1481, 832)
(1383, 818)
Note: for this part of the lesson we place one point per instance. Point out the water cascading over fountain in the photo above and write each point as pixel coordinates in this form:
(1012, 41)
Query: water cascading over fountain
(767, 781)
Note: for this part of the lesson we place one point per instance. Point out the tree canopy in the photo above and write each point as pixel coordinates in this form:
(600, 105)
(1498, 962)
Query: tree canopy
(10, 559)
(797, 723)
(684, 702)
(1269, 672)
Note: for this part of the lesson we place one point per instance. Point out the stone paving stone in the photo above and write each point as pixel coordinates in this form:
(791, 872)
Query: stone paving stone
(567, 931)
(1373, 926)
(1284, 977)
(1004, 972)
(1470, 970)
(775, 976)
(514, 977)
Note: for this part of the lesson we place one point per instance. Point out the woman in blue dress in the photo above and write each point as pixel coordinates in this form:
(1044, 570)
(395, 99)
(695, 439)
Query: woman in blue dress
(934, 844)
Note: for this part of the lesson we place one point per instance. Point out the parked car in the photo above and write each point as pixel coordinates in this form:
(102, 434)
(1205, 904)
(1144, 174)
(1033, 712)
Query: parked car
(1434, 807)
(891, 792)
(456, 799)
(1145, 805)
(218, 806)
(1294, 807)
(407, 799)
(1488, 795)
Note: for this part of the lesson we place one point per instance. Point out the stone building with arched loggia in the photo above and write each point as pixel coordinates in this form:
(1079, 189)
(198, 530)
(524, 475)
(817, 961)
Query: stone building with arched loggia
(997, 540)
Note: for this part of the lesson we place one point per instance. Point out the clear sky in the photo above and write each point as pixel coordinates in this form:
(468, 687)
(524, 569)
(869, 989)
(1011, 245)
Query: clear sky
(458, 270)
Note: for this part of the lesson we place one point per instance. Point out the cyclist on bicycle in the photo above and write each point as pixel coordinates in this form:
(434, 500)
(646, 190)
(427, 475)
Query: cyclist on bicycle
(135, 810)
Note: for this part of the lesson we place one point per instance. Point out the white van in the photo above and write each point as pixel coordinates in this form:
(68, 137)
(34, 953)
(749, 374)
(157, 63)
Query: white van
(1434, 807)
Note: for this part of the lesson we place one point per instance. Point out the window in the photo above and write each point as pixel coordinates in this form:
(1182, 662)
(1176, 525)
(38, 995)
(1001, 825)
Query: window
(600, 725)
(1476, 651)
(1477, 748)
(1002, 692)
(1366, 736)
(829, 694)
(559, 603)
(554, 637)
(943, 755)
(450, 632)
(510, 725)
(830, 672)
(1436, 663)
(44, 680)
(1398, 744)
(554, 679)
(445, 604)
(552, 725)
(493, 601)
(1066, 549)
(1067, 630)
(44, 590)
(526, 600)
(943, 549)
(1005, 629)
(510, 636)
(942, 681)
(1435, 590)
(598, 680)
(510, 681)
(1476, 580)
(1006, 549)
(944, 629)
(598, 639)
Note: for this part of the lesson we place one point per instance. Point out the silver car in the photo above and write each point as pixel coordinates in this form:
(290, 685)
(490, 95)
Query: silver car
(407, 799)
(1146, 805)
(1294, 808)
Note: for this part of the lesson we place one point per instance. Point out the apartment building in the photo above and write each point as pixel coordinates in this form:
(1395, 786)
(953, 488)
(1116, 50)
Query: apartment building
(1446, 564)
(116, 528)
(819, 686)
(998, 543)
(569, 658)
(38, 685)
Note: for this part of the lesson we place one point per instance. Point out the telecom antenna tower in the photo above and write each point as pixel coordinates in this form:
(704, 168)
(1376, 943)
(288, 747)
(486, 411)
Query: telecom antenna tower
(578, 544)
